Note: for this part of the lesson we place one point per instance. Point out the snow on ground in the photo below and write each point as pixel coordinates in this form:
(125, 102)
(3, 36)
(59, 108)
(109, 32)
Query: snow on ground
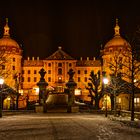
(65, 126)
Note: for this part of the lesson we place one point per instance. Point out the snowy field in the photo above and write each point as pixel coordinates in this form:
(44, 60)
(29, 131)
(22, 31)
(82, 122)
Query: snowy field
(57, 126)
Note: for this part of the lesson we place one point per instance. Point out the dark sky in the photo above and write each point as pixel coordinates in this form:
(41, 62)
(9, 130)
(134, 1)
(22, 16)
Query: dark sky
(79, 26)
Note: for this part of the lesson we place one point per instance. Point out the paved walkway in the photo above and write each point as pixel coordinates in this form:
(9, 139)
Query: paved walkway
(56, 126)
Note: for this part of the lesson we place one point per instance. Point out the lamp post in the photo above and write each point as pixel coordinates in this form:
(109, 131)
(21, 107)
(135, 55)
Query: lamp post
(105, 81)
(1, 83)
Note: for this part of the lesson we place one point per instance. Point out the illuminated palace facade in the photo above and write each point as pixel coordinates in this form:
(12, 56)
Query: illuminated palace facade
(56, 66)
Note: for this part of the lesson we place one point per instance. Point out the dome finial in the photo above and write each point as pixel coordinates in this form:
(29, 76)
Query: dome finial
(117, 28)
(6, 29)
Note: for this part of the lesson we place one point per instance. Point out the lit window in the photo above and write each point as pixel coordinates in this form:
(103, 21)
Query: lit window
(119, 100)
(137, 102)
(59, 79)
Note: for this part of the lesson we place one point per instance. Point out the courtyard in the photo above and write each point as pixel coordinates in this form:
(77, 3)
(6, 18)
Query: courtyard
(64, 126)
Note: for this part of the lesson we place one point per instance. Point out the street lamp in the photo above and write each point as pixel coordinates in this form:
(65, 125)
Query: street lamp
(1, 83)
(105, 81)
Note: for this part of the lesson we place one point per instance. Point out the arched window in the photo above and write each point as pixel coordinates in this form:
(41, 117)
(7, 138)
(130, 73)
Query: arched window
(59, 71)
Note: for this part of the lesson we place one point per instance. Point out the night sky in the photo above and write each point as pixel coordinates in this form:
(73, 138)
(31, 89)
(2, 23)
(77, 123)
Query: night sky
(80, 27)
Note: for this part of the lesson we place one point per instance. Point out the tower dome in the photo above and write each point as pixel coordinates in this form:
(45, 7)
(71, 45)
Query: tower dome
(117, 40)
(7, 42)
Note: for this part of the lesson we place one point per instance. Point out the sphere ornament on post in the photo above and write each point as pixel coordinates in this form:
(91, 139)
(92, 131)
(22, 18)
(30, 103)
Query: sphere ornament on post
(1, 102)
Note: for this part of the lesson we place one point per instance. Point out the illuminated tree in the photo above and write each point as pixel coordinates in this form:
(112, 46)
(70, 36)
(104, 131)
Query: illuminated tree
(94, 88)
(4, 63)
(132, 66)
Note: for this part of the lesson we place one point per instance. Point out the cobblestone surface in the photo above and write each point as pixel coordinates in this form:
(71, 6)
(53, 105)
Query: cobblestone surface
(55, 126)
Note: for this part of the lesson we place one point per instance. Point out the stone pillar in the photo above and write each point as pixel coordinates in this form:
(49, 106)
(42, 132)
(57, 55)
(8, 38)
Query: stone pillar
(71, 85)
(42, 91)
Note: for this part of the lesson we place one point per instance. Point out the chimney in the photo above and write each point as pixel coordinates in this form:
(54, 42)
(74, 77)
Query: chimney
(38, 58)
(33, 58)
(94, 58)
(28, 58)
(81, 58)
(87, 58)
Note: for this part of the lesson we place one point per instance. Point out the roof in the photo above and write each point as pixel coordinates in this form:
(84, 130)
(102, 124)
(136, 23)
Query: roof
(88, 63)
(117, 40)
(8, 90)
(60, 55)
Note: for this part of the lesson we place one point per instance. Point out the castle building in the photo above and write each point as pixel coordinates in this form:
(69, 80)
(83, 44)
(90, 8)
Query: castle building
(56, 66)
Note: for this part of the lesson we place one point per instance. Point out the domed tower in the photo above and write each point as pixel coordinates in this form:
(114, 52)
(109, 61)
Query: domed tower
(114, 51)
(10, 55)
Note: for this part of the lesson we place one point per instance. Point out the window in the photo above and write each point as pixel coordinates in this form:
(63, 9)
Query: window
(110, 50)
(59, 71)
(79, 79)
(137, 102)
(85, 71)
(28, 79)
(13, 67)
(59, 79)
(49, 64)
(49, 79)
(120, 49)
(35, 72)
(22, 71)
(79, 72)
(35, 79)
(29, 72)
(22, 79)
(3, 67)
(85, 79)
(14, 59)
(59, 64)
(70, 64)
(49, 71)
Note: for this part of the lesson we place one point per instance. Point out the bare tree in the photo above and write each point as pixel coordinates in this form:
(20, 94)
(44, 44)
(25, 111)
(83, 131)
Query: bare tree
(126, 62)
(132, 66)
(115, 82)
